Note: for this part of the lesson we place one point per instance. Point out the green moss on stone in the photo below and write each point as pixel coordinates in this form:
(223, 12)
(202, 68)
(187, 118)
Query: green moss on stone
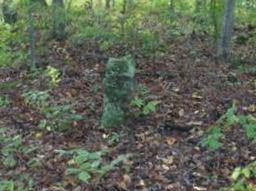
(119, 87)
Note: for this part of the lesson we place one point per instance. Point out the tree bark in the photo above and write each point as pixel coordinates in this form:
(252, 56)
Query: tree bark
(226, 30)
(107, 4)
(59, 21)
(59, 3)
(32, 38)
(171, 5)
(41, 2)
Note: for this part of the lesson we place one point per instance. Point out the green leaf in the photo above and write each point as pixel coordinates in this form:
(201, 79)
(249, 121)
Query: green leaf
(7, 151)
(63, 152)
(3, 130)
(34, 162)
(150, 107)
(42, 124)
(76, 117)
(212, 138)
(246, 172)
(250, 131)
(86, 166)
(84, 176)
(10, 162)
(6, 185)
(236, 173)
(137, 102)
(82, 157)
(239, 186)
(72, 171)
(229, 118)
(95, 164)
(119, 159)
(94, 156)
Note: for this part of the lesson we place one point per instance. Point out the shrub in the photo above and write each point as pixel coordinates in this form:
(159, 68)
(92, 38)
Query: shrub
(84, 164)
(211, 139)
(241, 177)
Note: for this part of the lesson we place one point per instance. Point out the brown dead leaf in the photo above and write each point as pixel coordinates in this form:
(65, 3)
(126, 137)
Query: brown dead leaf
(168, 160)
(196, 96)
(252, 108)
(194, 123)
(141, 185)
(199, 188)
(181, 112)
(165, 167)
(170, 140)
(125, 181)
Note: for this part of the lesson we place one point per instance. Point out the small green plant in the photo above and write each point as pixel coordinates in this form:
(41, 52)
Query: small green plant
(10, 37)
(229, 118)
(6, 185)
(59, 117)
(143, 102)
(145, 107)
(95, 88)
(142, 90)
(212, 137)
(85, 165)
(5, 52)
(248, 122)
(113, 138)
(56, 117)
(150, 42)
(21, 182)
(36, 98)
(242, 178)
(53, 74)
(4, 101)
(10, 146)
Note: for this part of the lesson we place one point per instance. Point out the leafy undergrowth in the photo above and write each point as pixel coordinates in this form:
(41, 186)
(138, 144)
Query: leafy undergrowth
(52, 132)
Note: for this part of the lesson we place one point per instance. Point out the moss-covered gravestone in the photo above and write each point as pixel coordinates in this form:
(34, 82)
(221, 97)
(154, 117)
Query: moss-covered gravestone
(9, 13)
(119, 87)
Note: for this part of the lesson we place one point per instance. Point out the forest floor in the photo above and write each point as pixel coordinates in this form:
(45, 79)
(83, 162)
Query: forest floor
(193, 89)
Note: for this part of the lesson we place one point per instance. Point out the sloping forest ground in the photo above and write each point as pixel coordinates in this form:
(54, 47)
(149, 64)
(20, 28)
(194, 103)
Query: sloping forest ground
(194, 91)
(192, 87)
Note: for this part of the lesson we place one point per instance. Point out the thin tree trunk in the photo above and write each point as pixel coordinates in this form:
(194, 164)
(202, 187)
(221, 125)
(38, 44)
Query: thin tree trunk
(171, 5)
(214, 18)
(59, 3)
(198, 7)
(226, 30)
(41, 2)
(124, 7)
(59, 21)
(107, 4)
(32, 38)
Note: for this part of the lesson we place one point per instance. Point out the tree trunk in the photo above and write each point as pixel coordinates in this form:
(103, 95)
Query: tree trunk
(59, 3)
(199, 4)
(172, 5)
(41, 2)
(107, 4)
(32, 38)
(226, 30)
(124, 7)
(59, 21)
